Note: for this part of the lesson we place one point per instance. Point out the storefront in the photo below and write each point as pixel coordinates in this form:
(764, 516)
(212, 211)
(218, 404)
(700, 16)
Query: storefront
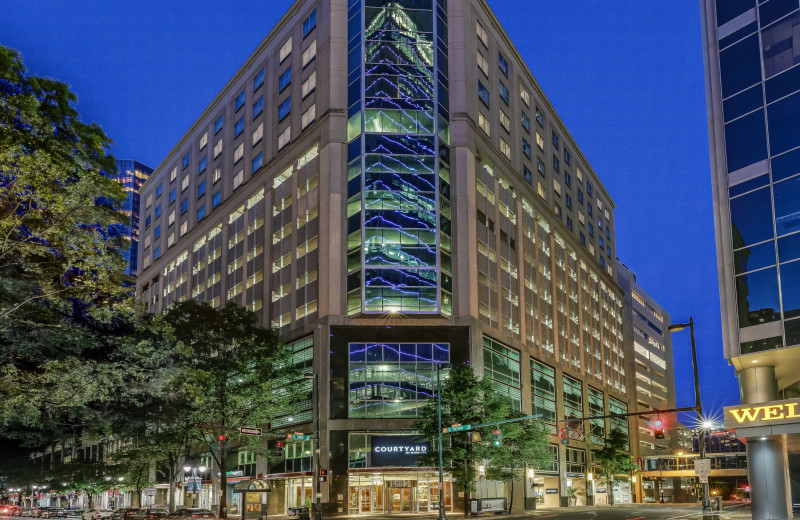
(290, 491)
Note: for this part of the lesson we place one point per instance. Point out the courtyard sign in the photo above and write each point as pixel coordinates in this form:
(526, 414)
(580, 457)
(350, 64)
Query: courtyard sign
(773, 413)
(397, 450)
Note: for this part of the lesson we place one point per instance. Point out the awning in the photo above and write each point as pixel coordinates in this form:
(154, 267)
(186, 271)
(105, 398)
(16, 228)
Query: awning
(255, 485)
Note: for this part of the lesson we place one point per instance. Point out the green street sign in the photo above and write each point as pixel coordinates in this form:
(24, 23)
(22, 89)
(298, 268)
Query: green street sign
(461, 428)
(298, 437)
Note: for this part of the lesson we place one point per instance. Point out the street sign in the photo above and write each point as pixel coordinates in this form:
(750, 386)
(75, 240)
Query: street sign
(150, 492)
(459, 428)
(703, 479)
(298, 436)
(702, 467)
(249, 431)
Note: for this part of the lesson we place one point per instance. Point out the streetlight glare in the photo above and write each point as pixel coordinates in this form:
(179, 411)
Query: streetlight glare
(202, 469)
(707, 425)
(187, 469)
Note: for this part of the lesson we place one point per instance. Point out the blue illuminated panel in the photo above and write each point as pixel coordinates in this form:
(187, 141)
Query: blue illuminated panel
(393, 379)
(398, 206)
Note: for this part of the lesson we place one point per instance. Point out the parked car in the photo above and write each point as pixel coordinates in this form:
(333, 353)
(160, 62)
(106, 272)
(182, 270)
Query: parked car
(8, 510)
(55, 512)
(40, 512)
(25, 511)
(125, 513)
(191, 513)
(152, 513)
(96, 514)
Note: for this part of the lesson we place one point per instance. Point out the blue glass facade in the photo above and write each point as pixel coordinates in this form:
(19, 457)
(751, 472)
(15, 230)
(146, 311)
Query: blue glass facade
(398, 209)
(132, 175)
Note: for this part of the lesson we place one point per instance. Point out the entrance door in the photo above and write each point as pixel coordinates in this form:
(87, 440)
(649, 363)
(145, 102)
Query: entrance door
(365, 500)
(402, 500)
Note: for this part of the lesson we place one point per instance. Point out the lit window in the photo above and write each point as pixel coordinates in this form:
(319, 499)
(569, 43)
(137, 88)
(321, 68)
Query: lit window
(258, 80)
(286, 50)
(173, 174)
(540, 190)
(504, 121)
(204, 140)
(258, 134)
(149, 201)
(239, 103)
(310, 84)
(483, 64)
(184, 228)
(217, 148)
(310, 53)
(238, 179)
(218, 125)
(285, 137)
(217, 174)
(484, 124)
(540, 141)
(505, 149)
(556, 187)
(308, 116)
(170, 239)
(483, 36)
(171, 218)
(185, 183)
(284, 108)
(526, 97)
(258, 107)
(309, 23)
(285, 79)
(238, 153)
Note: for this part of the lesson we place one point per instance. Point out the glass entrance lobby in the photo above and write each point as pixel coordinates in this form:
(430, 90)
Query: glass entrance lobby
(396, 492)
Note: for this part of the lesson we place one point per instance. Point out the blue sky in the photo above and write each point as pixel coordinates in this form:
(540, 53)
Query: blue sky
(626, 78)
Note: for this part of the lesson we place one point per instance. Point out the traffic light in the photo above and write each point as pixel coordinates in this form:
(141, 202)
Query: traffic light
(564, 436)
(323, 475)
(658, 428)
(222, 438)
(476, 436)
(497, 437)
(279, 449)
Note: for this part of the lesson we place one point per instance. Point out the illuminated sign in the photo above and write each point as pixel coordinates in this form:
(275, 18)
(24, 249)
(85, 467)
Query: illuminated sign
(764, 414)
(397, 450)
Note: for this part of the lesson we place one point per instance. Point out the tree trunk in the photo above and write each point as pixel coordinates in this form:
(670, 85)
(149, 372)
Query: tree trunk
(138, 497)
(511, 495)
(610, 490)
(171, 492)
(466, 493)
(223, 479)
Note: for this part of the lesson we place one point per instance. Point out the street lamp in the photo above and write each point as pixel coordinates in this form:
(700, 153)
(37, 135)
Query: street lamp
(193, 488)
(439, 367)
(317, 450)
(704, 424)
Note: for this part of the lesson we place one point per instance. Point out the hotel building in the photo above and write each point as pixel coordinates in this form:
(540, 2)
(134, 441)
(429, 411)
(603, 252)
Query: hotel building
(752, 56)
(386, 183)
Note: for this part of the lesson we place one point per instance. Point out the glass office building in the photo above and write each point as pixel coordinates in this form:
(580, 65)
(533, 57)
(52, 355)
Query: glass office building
(132, 175)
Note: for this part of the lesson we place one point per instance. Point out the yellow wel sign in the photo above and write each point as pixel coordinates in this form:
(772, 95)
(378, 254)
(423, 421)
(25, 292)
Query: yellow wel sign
(763, 414)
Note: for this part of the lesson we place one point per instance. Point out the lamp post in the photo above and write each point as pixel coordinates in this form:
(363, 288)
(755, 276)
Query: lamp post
(701, 440)
(439, 367)
(194, 487)
(317, 444)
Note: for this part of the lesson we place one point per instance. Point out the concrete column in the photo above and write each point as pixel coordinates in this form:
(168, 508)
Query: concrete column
(767, 460)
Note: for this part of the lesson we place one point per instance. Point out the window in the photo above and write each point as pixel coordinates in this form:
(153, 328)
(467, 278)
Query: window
(543, 394)
(526, 122)
(238, 179)
(540, 166)
(238, 153)
(583, 239)
(568, 200)
(203, 140)
(159, 190)
(286, 50)
(258, 107)
(567, 179)
(580, 196)
(556, 163)
(184, 206)
(526, 148)
(171, 218)
(157, 232)
(588, 188)
(184, 228)
(484, 124)
(158, 211)
(173, 174)
(579, 174)
(238, 128)
(527, 174)
(557, 187)
(217, 175)
(308, 116)
(218, 124)
(483, 64)
(310, 84)
(285, 79)
(540, 190)
(201, 189)
(569, 223)
(555, 139)
(285, 137)
(309, 23)
(505, 149)
(505, 122)
(285, 108)
(503, 64)
(567, 156)
(618, 407)
(147, 222)
(172, 194)
(186, 159)
(239, 103)
(257, 162)
(216, 199)
(540, 141)
(258, 134)
(156, 253)
(217, 148)
(501, 366)
(483, 36)
(526, 97)
(539, 117)
(258, 80)
(591, 230)
(201, 212)
(380, 374)
(573, 399)
(503, 93)
(483, 94)
(201, 166)
(310, 53)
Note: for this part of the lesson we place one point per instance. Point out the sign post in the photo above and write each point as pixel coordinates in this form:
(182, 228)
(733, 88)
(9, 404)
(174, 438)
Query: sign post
(702, 468)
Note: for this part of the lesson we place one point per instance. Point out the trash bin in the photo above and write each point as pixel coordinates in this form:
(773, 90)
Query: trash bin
(716, 503)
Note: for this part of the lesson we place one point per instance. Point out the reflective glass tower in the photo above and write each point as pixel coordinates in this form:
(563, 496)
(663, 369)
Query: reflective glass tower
(132, 175)
(398, 187)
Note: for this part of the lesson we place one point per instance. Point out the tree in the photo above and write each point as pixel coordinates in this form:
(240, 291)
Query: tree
(61, 267)
(524, 445)
(239, 374)
(613, 461)
(465, 400)
(134, 465)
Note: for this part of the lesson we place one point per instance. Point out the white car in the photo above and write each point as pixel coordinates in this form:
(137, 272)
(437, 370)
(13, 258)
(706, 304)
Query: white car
(96, 514)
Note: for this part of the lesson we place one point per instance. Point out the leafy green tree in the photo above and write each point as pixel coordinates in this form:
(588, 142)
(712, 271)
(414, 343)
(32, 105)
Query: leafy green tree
(61, 268)
(613, 461)
(465, 400)
(134, 464)
(524, 445)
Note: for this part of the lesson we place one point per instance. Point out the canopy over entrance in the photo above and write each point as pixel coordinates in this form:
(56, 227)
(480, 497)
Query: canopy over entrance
(255, 485)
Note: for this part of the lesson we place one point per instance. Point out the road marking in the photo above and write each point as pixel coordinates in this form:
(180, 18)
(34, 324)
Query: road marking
(637, 518)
